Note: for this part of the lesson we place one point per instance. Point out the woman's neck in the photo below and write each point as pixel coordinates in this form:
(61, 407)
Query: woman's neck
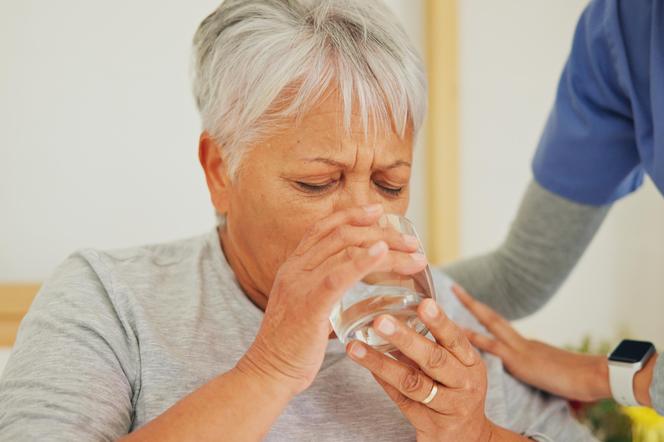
(258, 298)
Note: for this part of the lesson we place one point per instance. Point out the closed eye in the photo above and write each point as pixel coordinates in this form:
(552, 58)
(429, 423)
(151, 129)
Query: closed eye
(315, 188)
(392, 191)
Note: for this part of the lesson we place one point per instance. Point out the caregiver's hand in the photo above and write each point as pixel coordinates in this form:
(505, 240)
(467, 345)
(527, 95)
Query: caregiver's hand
(564, 373)
(333, 255)
(455, 409)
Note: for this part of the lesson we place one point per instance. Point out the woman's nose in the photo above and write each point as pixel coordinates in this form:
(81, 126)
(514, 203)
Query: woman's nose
(357, 194)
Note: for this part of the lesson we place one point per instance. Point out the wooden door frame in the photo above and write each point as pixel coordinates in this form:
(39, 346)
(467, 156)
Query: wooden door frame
(15, 299)
(442, 130)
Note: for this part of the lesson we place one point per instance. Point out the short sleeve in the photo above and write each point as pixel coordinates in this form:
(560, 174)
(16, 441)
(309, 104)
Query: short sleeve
(588, 152)
(71, 373)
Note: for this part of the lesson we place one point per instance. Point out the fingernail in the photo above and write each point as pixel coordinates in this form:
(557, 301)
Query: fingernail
(358, 350)
(410, 240)
(418, 257)
(430, 308)
(373, 209)
(378, 248)
(386, 326)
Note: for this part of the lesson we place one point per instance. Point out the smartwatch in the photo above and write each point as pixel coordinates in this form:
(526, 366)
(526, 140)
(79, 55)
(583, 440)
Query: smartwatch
(624, 362)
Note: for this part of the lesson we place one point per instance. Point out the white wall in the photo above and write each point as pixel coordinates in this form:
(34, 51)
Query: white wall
(98, 130)
(512, 53)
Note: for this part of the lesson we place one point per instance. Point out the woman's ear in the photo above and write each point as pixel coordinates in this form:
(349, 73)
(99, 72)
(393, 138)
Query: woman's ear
(209, 154)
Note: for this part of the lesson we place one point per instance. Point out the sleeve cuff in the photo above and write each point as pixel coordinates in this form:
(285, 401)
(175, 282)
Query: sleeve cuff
(657, 386)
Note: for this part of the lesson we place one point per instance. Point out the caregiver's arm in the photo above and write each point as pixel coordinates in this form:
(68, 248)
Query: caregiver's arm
(547, 238)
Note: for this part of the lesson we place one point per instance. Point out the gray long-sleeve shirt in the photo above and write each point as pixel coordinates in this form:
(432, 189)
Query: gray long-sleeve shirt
(115, 338)
(546, 240)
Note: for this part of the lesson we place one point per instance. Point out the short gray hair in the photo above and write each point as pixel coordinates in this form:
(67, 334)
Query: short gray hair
(260, 63)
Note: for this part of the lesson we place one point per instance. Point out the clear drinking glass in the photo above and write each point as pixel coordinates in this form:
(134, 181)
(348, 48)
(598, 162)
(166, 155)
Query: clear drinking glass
(383, 293)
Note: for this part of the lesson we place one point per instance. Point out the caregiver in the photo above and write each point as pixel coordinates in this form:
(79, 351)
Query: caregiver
(606, 130)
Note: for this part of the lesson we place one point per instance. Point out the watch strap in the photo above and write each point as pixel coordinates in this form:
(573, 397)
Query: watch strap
(621, 380)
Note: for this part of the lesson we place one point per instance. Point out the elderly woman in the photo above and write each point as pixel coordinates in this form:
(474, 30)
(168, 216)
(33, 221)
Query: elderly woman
(309, 111)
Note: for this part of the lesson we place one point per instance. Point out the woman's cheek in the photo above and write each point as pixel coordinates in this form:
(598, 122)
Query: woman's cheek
(399, 205)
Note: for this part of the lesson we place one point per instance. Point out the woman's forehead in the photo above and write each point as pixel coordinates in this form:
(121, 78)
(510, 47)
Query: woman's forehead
(348, 153)
(320, 135)
(332, 146)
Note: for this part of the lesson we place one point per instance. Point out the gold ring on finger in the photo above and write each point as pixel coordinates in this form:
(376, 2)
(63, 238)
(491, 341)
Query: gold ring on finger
(432, 394)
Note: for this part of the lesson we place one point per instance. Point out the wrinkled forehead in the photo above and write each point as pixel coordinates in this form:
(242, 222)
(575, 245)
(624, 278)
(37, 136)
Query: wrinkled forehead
(321, 134)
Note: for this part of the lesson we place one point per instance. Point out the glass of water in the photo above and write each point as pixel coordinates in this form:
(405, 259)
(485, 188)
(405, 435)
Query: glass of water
(383, 293)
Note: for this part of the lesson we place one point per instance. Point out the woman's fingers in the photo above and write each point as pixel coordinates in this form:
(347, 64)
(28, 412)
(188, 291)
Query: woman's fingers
(336, 281)
(346, 236)
(432, 358)
(410, 382)
(357, 216)
(396, 354)
(403, 263)
(447, 333)
(415, 412)
(492, 321)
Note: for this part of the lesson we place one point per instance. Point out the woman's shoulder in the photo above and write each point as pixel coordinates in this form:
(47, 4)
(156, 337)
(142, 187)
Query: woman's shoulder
(452, 307)
(131, 275)
(147, 257)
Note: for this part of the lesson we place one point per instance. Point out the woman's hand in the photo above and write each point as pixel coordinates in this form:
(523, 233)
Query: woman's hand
(334, 254)
(440, 387)
(564, 373)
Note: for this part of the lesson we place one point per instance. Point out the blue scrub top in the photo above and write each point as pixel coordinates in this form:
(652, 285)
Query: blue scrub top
(606, 128)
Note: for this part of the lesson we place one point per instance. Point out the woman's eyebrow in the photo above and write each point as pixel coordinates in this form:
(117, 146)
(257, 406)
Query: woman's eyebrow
(342, 165)
(398, 163)
(328, 161)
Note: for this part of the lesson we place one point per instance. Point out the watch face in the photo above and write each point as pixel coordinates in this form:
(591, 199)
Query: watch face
(631, 351)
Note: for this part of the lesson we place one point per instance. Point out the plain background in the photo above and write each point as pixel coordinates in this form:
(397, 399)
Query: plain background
(98, 145)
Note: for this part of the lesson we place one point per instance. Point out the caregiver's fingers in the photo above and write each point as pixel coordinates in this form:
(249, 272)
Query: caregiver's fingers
(447, 333)
(345, 236)
(358, 216)
(492, 321)
(489, 345)
(430, 357)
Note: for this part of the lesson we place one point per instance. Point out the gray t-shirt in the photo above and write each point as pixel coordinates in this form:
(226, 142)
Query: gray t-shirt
(115, 338)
